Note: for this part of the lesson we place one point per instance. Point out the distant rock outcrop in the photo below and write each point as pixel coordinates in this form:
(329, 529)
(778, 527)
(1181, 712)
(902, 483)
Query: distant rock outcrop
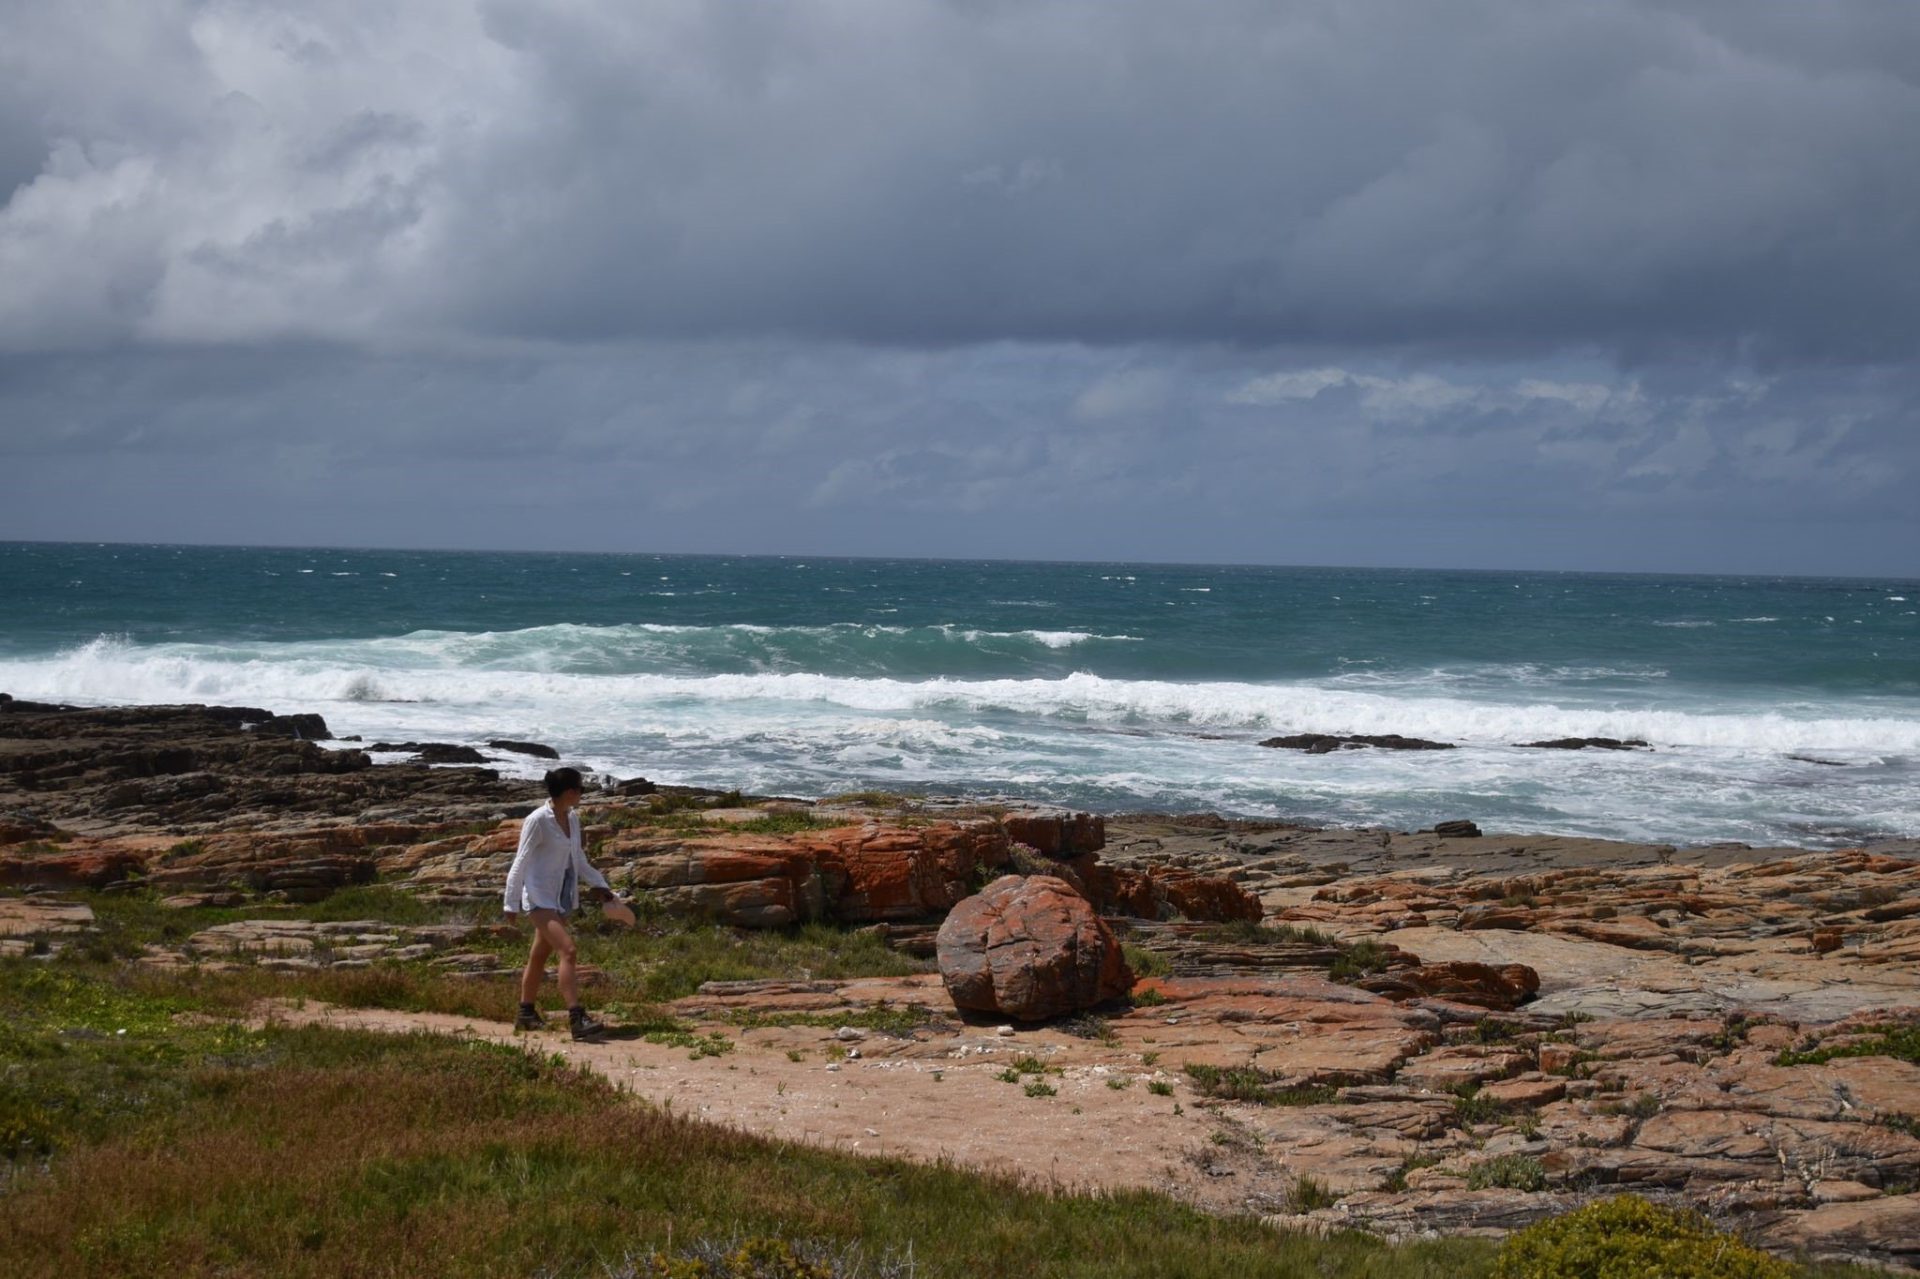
(1585, 743)
(1327, 743)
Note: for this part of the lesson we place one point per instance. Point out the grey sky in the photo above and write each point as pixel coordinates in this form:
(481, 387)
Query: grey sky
(1604, 285)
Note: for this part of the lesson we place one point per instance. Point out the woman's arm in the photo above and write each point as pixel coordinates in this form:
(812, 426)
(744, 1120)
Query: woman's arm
(517, 873)
(588, 872)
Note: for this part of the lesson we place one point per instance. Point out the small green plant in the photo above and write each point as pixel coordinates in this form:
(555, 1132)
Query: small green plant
(1142, 962)
(1087, 1026)
(1147, 999)
(1307, 1195)
(1160, 1088)
(1008, 1076)
(1471, 1108)
(1118, 1082)
(1028, 1064)
(1148, 1058)
(1627, 1237)
(1040, 1088)
(1362, 959)
(1507, 1172)
(713, 1044)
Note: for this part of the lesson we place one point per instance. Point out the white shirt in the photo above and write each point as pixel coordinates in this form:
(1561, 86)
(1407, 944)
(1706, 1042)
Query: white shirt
(548, 868)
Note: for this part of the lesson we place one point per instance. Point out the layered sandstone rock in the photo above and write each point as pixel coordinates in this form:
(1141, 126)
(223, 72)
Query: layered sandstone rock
(1030, 947)
(863, 873)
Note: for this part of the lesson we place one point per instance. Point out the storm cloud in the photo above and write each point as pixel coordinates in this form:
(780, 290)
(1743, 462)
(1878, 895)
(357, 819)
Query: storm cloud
(1583, 267)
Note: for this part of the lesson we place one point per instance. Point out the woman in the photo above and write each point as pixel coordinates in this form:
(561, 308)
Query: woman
(544, 883)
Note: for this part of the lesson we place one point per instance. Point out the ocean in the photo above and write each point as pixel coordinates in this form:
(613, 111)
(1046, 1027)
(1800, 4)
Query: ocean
(1780, 710)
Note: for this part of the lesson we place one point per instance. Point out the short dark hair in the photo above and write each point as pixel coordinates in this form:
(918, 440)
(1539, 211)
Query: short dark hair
(562, 780)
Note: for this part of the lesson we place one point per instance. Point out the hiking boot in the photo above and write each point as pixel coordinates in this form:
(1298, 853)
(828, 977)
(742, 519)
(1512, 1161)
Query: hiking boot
(529, 1019)
(586, 1029)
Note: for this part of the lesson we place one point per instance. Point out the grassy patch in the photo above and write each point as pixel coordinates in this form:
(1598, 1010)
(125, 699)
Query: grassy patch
(1146, 963)
(784, 823)
(1256, 1086)
(1308, 1194)
(1250, 932)
(1362, 959)
(1902, 1043)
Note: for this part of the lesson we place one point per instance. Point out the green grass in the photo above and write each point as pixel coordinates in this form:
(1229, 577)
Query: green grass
(784, 823)
(1256, 1086)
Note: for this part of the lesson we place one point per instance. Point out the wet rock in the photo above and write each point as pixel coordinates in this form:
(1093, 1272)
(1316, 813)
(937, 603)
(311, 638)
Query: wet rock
(1029, 947)
(534, 749)
(1456, 830)
(306, 727)
(1588, 743)
(1326, 743)
(434, 752)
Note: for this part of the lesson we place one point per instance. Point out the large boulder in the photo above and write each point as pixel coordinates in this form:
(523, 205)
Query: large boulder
(1029, 947)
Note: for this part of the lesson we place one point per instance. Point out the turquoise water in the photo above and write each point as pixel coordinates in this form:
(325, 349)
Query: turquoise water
(1106, 685)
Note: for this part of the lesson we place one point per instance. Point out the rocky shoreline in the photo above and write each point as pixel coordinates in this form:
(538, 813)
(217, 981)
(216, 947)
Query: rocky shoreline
(1441, 1030)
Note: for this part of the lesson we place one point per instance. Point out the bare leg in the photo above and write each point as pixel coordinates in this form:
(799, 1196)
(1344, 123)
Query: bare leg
(536, 960)
(553, 932)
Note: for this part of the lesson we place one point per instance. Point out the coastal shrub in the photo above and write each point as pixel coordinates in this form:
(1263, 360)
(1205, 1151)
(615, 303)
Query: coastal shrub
(1040, 1088)
(1629, 1238)
(1507, 1172)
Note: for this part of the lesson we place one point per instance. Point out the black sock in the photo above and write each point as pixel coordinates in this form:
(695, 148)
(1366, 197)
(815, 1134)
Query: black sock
(526, 1007)
(577, 1013)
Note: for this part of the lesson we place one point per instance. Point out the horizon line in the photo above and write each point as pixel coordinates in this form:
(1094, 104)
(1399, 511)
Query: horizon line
(947, 559)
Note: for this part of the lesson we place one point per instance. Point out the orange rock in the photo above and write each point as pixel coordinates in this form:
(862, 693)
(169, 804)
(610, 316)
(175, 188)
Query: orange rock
(1503, 986)
(1030, 947)
(1825, 940)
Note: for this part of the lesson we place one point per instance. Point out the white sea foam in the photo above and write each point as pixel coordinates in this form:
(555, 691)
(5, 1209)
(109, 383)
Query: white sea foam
(429, 668)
